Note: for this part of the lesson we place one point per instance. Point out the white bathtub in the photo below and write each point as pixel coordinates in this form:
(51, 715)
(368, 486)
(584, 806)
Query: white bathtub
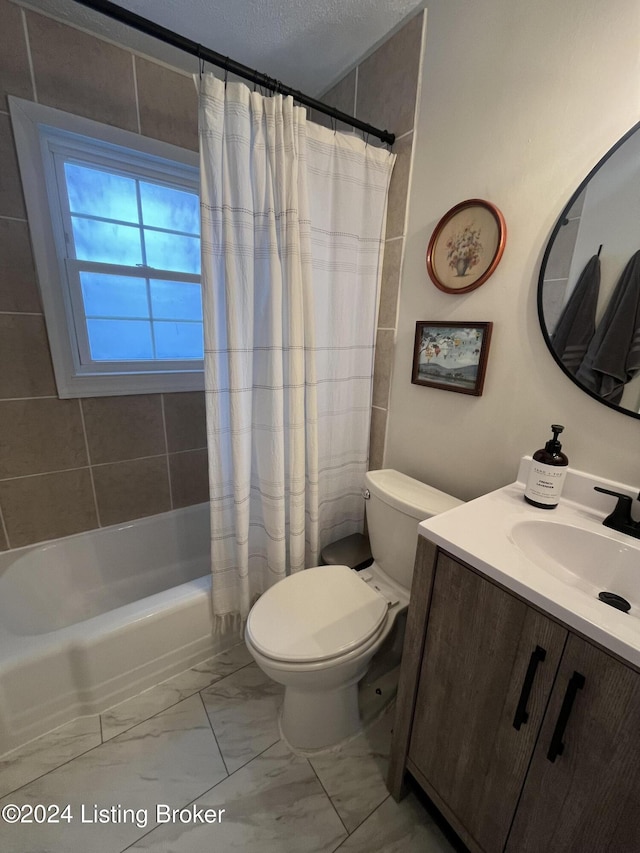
(90, 620)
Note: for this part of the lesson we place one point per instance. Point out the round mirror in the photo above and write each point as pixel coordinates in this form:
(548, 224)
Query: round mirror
(589, 287)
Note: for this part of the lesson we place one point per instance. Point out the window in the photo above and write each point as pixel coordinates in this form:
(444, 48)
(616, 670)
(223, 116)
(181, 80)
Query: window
(115, 222)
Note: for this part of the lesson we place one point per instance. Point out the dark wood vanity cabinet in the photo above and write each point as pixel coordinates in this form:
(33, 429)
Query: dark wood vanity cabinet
(588, 798)
(479, 647)
(525, 736)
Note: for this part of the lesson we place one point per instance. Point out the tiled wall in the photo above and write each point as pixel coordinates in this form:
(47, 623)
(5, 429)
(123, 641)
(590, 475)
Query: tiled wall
(556, 274)
(71, 465)
(382, 91)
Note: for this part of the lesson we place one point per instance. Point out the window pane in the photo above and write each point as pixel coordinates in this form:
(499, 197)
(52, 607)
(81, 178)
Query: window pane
(114, 295)
(172, 251)
(176, 300)
(101, 193)
(106, 242)
(165, 207)
(178, 340)
(119, 340)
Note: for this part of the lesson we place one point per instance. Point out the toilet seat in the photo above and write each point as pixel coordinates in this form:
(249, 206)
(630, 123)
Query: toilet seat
(315, 615)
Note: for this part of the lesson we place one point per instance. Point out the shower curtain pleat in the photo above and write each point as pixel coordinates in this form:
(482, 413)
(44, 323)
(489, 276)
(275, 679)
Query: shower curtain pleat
(292, 235)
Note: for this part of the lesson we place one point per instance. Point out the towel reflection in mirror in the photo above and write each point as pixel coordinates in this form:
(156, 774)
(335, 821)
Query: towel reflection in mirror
(577, 324)
(605, 358)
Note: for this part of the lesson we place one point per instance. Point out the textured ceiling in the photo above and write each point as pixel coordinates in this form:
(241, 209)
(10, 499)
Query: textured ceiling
(307, 44)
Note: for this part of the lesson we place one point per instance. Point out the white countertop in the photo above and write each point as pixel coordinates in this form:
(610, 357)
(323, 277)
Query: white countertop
(479, 533)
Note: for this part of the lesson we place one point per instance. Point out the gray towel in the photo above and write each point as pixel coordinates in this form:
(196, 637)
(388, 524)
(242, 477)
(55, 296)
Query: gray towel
(613, 356)
(577, 324)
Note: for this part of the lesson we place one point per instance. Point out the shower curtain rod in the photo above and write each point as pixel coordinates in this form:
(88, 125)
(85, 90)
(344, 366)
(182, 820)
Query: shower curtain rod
(144, 25)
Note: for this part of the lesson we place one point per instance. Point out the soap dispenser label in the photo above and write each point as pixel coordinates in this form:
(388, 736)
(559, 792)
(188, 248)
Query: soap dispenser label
(545, 483)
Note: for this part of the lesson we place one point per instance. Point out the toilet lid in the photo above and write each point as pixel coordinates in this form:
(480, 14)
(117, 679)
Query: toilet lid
(315, 615)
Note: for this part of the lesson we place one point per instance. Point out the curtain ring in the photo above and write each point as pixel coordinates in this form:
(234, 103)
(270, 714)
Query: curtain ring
(200, 61)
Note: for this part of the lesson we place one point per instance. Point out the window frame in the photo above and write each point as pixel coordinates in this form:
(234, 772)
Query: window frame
(43, 134)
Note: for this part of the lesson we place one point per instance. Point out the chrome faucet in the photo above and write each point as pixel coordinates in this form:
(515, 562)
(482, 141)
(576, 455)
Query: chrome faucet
(620, 519)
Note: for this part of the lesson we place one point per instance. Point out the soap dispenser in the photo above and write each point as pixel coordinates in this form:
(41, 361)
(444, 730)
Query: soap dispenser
(547, 473)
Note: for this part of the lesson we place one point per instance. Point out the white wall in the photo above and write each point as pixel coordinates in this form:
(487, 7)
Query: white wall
(519, 101)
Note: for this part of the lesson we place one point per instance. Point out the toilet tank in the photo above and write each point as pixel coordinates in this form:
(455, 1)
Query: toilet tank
(395, 506)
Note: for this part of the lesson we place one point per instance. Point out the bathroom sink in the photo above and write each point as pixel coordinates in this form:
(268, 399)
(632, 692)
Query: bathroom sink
(561, 561)
(590, 560)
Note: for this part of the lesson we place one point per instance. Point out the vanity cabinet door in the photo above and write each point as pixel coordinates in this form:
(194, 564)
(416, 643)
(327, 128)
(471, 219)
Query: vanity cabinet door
(488, 659)
(582, 793)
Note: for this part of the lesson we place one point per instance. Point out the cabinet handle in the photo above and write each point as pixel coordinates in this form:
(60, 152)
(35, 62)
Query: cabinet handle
(556, 747)
(522, 715)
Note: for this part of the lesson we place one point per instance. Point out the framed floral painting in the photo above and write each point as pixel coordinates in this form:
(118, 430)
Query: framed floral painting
(451, 356)
(466, 246)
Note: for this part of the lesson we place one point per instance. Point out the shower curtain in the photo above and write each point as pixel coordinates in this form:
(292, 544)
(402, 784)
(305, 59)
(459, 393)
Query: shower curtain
(292, 237)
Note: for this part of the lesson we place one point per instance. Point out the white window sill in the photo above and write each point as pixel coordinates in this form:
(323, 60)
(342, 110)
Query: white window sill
(118, 384)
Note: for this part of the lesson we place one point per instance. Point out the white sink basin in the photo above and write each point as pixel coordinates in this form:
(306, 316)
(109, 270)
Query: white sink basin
(590, 560)
(558, 561)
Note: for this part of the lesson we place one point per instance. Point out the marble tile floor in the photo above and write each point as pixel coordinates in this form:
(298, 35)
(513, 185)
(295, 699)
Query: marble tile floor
(205, 742)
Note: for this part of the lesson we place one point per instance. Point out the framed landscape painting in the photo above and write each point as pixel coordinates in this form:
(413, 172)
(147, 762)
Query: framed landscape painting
(451, 356)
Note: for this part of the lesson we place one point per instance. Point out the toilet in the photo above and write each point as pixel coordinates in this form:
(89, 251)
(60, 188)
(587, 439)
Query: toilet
(316, 631)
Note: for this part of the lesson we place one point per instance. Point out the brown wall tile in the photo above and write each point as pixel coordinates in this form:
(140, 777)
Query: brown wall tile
(3, 539)
(11, 199)
(387, 85)
(168, 104)
(123, 427)
(81, 74)
(189, 477)
(382, 367)
(399, 187)
(25, 360)
(559, 261)
(390, 284)
(128, 490)
(553, 294)
(376, 439)
(37, 436)
(48, 506)
(577, 206)
(15, 77)
(342, 97)
(388, 80)
(186, 421)
(18, 287)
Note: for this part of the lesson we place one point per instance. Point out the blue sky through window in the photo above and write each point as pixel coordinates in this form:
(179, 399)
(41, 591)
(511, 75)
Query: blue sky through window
(120, 340)
(114, 295)
(106, 242)
(166, 207)
(176, 300)
(178, 340)
(131, 222)
(101, 193)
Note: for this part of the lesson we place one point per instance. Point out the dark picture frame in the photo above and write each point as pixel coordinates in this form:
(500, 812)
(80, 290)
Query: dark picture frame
(451, 356)
(466, 246)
